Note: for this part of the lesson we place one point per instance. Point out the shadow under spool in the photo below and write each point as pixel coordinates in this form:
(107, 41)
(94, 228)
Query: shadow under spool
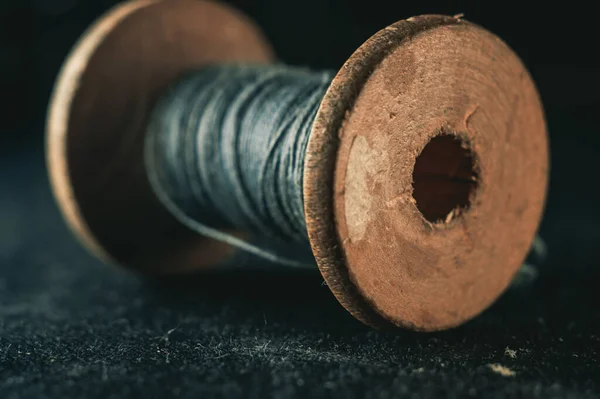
(425, 173)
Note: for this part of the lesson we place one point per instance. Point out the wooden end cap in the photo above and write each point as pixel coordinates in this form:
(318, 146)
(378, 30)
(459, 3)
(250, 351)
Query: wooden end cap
(454, 99)
(97, 119)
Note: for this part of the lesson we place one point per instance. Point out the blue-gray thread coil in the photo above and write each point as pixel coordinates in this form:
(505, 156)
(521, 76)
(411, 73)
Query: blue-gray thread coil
(225, 148)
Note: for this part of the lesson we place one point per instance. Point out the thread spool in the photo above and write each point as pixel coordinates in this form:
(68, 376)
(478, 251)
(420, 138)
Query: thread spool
(420, 95)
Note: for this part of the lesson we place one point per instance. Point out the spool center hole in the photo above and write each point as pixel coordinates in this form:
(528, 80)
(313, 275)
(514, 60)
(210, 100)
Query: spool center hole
(444, 178)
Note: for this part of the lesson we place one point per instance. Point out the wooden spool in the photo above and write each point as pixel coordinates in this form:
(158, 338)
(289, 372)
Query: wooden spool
(425, 174)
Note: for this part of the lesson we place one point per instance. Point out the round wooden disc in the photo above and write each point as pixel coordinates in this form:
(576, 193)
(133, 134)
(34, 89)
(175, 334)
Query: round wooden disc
(97, 120)
(452, 98)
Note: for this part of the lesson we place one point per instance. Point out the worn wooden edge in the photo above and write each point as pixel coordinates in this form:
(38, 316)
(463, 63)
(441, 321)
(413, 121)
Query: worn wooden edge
(57, 121)
(321, 158)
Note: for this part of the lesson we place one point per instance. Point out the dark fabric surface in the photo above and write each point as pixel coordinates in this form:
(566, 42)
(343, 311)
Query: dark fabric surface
(73, 327)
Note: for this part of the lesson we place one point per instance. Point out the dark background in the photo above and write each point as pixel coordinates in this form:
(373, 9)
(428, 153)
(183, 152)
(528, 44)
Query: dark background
(70, 325)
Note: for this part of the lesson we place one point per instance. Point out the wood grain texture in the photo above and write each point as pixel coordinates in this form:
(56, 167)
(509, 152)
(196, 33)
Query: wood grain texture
(411, 82)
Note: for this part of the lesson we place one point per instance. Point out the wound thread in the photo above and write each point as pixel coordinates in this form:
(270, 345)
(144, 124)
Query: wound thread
(225, 149)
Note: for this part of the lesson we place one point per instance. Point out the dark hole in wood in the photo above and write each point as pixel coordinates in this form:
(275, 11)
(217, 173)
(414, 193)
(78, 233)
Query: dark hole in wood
(444, 178)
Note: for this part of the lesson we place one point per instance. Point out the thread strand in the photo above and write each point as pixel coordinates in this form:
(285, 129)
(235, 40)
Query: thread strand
(225, 149)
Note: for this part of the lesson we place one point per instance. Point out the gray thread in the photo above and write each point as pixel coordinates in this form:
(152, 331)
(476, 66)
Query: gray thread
(225, 149)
